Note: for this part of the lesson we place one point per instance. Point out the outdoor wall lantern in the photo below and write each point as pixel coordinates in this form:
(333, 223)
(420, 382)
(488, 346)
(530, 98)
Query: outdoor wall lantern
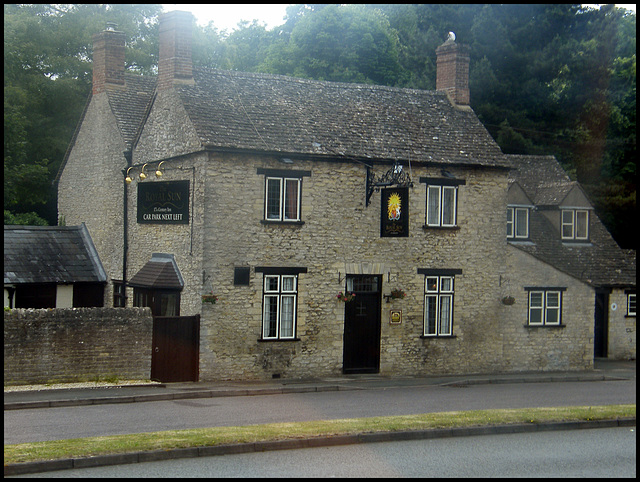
(143, 176)
(128, 178)
(158, 171)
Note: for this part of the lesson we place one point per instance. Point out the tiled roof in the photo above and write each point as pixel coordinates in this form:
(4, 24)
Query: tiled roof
(297, 116)
(601, 262)
(50, 254)
(159, 272)
(129, 105)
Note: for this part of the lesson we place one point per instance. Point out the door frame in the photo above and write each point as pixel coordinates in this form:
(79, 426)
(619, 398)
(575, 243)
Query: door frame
(375, 325)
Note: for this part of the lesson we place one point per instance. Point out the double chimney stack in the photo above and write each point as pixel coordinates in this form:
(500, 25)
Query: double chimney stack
(175, 67)
(174, 63)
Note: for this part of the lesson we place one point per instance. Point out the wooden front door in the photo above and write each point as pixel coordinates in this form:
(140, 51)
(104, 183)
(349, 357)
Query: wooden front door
(361, 351)
(175, 348)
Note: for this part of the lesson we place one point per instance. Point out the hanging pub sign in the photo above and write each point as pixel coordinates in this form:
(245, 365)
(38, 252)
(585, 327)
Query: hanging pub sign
(163, 202)
(394, 216)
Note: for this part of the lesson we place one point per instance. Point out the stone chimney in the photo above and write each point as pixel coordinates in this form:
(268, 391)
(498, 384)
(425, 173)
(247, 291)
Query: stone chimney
(453, 70)
(108, 59)
(174, 63)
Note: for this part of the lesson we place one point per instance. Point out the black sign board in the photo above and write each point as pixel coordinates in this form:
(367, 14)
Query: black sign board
(394, 215)
(163, 202)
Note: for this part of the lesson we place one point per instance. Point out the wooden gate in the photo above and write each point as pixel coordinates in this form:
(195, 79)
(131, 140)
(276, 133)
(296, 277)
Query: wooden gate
(175, 348)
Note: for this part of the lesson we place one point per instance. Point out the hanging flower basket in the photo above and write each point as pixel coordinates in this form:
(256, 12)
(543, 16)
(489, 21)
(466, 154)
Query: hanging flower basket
(508, 300)
(346, 297)
(209, 298)
(397, 294)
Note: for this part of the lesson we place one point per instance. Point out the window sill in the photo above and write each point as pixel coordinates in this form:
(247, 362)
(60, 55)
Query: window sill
(545, 326)
(440, 228)
(282, 223)
(436, 337)
(267, 340)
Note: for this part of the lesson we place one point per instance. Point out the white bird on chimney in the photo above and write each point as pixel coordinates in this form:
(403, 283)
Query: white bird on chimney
(451, 36)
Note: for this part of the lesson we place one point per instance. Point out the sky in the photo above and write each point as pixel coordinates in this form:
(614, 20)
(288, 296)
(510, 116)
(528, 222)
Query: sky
(227, 16)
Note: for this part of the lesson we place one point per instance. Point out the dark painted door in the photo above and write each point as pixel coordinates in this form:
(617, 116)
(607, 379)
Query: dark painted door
(600, 338)
(175, 348)
(362, 325)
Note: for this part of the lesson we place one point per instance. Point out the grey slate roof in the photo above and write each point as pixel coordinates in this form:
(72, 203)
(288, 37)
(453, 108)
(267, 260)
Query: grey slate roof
(161, 271)
(50, 254)
(601, 262)
(129, 105)
(297, 116)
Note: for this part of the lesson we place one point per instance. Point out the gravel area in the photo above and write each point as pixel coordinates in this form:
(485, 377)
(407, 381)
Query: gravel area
(58, 386)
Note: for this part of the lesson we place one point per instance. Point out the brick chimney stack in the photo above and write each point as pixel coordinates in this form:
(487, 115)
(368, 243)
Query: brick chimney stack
(453, 70)
(174, 64)
(108, 59)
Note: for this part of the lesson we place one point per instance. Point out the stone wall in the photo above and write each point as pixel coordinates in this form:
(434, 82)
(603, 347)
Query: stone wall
(340, 236)
(90, 187)
(622, 328)
(565, 347)
(79, 344)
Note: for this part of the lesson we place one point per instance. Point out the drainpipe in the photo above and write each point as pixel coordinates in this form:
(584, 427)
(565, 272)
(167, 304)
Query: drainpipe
(125, 222)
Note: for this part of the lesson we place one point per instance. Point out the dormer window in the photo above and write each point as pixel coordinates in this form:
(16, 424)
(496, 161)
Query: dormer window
(575, 224)
(517, 222)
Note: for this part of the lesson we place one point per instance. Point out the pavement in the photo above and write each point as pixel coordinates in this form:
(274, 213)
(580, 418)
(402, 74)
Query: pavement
(604, 370)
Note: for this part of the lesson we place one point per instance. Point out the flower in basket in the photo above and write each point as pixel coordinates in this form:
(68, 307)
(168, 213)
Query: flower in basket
(398, 294)
(209, 298)
(346, 297)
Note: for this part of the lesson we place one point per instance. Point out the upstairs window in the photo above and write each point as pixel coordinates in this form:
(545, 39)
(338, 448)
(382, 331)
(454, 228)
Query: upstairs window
(517, 223)
(575, 224)
(442, 202)
(283, 194)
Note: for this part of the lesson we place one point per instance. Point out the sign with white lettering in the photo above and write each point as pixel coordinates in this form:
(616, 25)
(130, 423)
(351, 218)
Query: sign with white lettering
(163, 202)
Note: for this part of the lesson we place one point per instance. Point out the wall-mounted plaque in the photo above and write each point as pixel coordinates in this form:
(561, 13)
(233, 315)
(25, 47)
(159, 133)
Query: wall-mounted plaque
(395, 317)
(163, 202)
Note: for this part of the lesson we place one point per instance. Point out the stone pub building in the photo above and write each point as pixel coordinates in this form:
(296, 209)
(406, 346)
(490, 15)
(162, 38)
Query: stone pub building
(342, 228)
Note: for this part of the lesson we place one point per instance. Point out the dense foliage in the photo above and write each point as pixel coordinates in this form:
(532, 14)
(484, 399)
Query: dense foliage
(545, 79)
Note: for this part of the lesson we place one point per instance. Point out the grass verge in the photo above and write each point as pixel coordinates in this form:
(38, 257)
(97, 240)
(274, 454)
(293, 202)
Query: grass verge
(91, 446)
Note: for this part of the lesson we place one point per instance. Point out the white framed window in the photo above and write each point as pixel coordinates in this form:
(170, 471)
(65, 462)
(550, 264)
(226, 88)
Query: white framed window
(438, 305)
(631, 304)
(280, 296)
(545, 307)
(517, 223)
(442, 206)
(575, 224)
(282, 199)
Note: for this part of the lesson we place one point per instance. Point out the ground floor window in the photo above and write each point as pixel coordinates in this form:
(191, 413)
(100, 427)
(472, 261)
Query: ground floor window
(545, 306)
(438, 305)
(280, 296)
(631, 303)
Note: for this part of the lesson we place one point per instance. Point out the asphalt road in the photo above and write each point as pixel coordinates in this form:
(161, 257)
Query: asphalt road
(95, 420)
(576, 453)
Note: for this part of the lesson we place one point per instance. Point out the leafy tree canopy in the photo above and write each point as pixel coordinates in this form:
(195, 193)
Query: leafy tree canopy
(544, 78)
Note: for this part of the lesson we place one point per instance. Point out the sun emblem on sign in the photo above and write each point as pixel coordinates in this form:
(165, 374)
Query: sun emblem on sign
(393, 207)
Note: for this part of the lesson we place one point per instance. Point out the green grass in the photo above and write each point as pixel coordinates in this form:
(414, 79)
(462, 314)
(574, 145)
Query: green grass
(91, 446)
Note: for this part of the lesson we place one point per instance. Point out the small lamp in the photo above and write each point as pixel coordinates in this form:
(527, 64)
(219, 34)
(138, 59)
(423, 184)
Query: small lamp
(128, 178)
(158, 171)
(143, 176)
